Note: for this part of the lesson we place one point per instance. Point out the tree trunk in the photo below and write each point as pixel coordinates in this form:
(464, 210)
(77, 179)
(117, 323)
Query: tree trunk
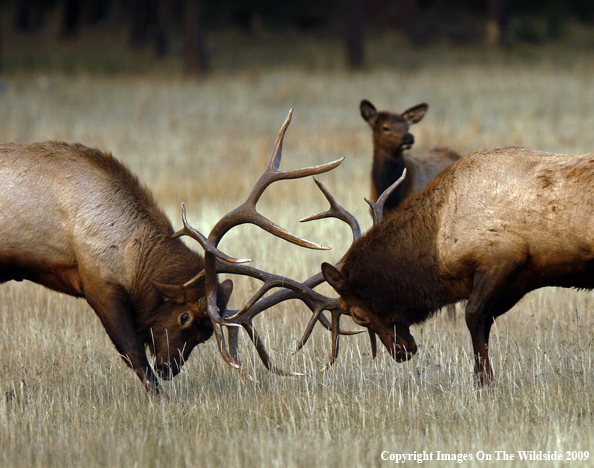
(354, 14)
(497, 24)
(195, 47)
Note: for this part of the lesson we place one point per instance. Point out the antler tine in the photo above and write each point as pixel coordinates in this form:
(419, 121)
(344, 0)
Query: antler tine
(309, 329)
(335, 345)
(264, 356)
(373, 342)
(277, 153)
(378, 207)
(222, 347)
(208, 246)
(335, 211)
(233, 351)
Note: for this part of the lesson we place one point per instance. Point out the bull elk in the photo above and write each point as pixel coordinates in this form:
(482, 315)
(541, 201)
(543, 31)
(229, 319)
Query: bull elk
(76, 220)
(496, 225)
(391, 137)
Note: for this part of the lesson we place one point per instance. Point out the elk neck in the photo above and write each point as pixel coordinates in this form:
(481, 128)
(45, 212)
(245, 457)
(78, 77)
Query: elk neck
(163, 259)
(388, 167)
(396, 264)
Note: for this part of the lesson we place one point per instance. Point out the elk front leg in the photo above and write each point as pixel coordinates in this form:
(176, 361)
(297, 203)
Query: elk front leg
(491, 297)
(479, 325)
(117, 321)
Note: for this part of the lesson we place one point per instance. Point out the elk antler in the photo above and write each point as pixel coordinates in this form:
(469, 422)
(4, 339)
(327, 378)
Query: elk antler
(218, 262)
(378, 207)
(316, 302)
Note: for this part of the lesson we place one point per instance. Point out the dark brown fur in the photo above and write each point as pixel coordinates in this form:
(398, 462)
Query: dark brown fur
(391, 137)
(487, 230)
(76, 220)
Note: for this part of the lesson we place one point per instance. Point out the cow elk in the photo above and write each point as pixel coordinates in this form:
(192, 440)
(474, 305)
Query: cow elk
(391, 137)
(498, 224)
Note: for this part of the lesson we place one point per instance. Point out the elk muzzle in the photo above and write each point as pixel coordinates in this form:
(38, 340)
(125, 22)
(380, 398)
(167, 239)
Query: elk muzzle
(166, 370)
(407, 141)
(400, 344)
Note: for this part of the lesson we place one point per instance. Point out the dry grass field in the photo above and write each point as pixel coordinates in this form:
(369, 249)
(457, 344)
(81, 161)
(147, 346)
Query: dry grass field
(66, 398)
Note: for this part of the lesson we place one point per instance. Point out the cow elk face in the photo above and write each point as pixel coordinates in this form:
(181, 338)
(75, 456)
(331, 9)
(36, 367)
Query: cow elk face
(390, 130)
(394, 334)
(182, 323)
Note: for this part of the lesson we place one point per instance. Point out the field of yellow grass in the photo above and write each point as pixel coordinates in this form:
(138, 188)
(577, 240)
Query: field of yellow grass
(66, 398)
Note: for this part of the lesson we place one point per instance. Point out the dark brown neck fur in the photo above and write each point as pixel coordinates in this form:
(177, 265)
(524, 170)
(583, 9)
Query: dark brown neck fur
(387, 168)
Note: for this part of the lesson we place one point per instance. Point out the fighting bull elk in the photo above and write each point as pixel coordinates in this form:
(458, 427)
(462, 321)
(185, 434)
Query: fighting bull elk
(76, 220)
(391, 137)
(498, 224)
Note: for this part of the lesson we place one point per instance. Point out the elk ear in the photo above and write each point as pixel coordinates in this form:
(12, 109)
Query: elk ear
(368, 112)
(175, 293)
(415, 114)
(334, 278)
(226, 288)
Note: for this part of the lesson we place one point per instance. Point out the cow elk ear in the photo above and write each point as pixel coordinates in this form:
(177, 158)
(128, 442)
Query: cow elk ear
(175, 293)
(368, 112)
(334, 278)
(415, 114)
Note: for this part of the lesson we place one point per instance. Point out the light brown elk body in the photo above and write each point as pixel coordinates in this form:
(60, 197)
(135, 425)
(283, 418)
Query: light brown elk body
(498, 224)
(77, 221)
(391, 137)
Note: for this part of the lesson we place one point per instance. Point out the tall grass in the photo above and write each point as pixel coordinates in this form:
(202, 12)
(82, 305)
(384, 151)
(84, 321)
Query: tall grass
(68, 400)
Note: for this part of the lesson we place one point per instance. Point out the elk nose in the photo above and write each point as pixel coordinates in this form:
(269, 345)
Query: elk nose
(403, 352)
(408, 140)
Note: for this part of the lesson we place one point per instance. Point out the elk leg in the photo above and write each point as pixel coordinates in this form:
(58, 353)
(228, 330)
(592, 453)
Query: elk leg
(117, 321)
(491, 297)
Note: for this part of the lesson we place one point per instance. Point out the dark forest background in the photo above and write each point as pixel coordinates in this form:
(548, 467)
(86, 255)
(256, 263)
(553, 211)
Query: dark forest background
(184, 27)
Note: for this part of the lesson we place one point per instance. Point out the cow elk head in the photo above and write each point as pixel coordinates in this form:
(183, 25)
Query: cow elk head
(390, 130)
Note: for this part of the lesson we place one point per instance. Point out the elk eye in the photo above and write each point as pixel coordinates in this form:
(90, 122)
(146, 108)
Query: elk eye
(359, 320)
(184, 319)
(386, 128)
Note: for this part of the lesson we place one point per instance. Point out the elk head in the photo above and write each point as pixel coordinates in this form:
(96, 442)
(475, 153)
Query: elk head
(371, 314)
(390, 130)
(181, 323)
